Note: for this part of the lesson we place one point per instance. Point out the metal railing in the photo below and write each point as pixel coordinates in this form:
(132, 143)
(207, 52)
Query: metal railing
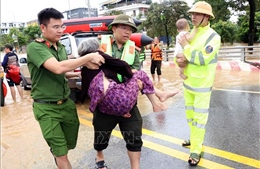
(225, 53)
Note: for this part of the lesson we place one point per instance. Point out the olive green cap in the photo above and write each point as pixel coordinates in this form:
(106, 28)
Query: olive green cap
(125, 20)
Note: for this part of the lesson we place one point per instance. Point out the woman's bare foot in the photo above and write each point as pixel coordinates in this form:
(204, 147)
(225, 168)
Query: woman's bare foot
(159, 107)
(127, 115)
(163, 96)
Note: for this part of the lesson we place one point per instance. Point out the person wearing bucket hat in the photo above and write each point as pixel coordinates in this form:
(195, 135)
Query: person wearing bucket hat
(123, 19)
(121, 47)
(200, 58)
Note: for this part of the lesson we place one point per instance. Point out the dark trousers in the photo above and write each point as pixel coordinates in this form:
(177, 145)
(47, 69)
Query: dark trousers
(156, 64)
(131, 129)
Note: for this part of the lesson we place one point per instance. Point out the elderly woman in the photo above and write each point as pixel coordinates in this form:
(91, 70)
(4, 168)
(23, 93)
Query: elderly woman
(110, 95)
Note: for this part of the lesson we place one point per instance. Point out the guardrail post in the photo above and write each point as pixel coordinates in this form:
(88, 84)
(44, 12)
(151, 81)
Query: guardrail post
(242, 54)
(165, 54)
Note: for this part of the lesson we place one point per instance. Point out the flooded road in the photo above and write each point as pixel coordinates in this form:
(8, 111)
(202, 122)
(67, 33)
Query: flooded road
(24, 148)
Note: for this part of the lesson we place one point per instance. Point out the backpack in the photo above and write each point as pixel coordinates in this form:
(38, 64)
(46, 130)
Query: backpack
(13, 72)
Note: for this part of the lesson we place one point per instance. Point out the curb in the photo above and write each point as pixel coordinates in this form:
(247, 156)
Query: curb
(221, 65)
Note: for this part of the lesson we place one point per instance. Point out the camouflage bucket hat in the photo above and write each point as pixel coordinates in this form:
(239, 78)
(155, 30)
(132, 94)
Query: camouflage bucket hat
(123, 19)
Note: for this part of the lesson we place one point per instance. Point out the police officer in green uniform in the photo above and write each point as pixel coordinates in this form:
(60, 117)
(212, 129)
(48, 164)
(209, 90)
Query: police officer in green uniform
(131, 128)
(49, 69)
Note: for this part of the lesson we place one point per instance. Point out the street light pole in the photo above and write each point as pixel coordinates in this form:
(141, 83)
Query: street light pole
(69, 9)
(16, 31)
(88, 4)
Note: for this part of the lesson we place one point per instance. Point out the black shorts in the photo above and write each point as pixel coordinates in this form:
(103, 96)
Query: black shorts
(156, 64)
(131, 129)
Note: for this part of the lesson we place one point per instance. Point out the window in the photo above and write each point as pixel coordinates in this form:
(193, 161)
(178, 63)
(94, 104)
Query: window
(67, 44)
(134, 13)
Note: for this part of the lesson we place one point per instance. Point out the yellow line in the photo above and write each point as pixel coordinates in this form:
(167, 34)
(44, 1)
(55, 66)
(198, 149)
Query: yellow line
(224, 154)
(240, 91)
(166, 150)
(220, 153)
(175, 153)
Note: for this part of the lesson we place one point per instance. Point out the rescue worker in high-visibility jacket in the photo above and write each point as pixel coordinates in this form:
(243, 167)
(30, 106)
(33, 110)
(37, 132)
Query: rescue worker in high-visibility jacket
(200, 57)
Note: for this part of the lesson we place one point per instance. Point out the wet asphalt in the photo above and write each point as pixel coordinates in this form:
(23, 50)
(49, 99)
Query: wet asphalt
(231, 140)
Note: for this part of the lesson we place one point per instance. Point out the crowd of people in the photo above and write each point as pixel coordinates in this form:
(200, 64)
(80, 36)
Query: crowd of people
(112, 79)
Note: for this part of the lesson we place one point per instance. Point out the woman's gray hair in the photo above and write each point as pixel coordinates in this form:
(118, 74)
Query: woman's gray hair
(87, 46)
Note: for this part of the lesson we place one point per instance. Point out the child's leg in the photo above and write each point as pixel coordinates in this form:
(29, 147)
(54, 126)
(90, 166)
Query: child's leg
(152, 93)
(157, 105)
(182, 73)
(163, 95)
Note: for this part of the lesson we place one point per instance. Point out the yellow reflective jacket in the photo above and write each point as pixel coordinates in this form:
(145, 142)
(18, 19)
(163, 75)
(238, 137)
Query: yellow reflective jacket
(202, 54)
(128, 54)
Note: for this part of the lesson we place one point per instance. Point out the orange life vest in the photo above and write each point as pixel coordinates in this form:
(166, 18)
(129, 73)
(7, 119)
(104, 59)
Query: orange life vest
(156, 52)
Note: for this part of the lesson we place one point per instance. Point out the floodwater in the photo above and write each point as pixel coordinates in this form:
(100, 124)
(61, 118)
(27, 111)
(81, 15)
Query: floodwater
(21, 140)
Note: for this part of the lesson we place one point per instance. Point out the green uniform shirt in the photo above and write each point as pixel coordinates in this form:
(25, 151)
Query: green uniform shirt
(46, 85)
(117, 53)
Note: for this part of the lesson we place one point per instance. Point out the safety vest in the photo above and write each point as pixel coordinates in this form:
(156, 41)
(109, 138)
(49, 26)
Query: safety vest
(156, 52)
(202, 54)
(128, 54)
(142, 54)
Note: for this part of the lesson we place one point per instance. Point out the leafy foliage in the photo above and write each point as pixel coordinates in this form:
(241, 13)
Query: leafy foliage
(162, 17)
(112, 12)
(226, 30)
(32, 32)
(243, 24)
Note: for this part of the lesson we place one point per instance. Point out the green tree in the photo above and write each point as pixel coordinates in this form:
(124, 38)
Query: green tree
(5, 39)
(251, 6)
(22, 40)
(227, 31)
(32, 32)
(161, 18)
(243, 23)
(112, 12)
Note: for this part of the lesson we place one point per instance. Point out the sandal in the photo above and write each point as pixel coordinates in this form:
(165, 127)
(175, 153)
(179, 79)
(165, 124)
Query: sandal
(186, 143)
(194, 159)
(100, 164)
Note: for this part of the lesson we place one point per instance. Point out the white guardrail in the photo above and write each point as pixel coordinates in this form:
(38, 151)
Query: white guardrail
(225, 53)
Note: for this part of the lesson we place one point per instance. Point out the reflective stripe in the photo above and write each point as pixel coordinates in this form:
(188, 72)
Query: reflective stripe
(208, 89)
(201, 126)
(201, 58)
(210, 38)
(200, 55)
(215, 60)
(189, 107)
(192, 59)
(200, 110)
(189, 120)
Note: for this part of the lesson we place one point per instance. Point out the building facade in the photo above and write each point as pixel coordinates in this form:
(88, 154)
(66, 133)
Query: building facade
(80, 13)
(6, 26)
(135, 9)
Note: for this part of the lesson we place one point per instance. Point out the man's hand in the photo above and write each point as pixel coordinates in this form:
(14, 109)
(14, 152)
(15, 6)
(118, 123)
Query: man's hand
(181, 60)
(94, 61)
(183, 41)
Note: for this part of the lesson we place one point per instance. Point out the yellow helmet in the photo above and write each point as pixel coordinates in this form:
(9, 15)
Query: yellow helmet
(202, 7)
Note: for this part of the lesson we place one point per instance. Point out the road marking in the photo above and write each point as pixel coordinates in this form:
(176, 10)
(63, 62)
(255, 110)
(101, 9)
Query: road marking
(184, 156)
(240, 91)
(220, 153)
